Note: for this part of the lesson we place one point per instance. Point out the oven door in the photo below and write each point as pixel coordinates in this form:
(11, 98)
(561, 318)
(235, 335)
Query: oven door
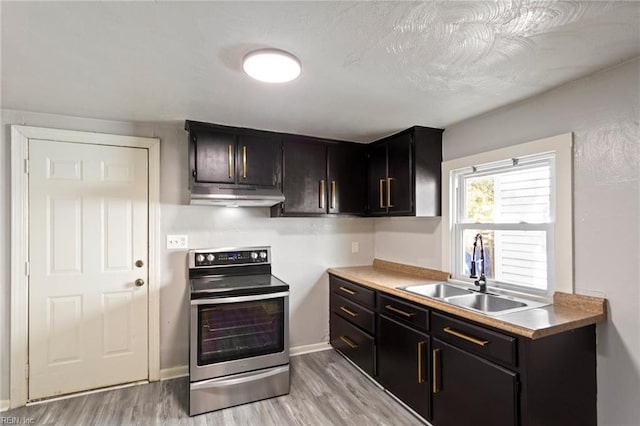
(239, 333)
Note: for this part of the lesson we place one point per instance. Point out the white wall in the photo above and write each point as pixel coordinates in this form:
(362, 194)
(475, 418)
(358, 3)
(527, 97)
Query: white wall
(409, 240)
(302, 248)
(603, 111)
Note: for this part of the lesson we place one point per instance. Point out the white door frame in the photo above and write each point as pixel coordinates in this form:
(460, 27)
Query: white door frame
(20, 136)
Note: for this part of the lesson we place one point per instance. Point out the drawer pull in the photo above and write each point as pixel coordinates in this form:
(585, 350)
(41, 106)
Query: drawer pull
(348, 342)
(398, 311)
(348, 311)
(453, 332)
(434, 375)
(346, 290)
(420, 357)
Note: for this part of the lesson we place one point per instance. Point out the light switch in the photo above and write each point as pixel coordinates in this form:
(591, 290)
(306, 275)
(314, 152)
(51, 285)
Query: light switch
(355, 247)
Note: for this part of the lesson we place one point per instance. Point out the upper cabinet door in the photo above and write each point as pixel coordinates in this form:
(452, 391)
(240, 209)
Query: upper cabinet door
(214, 157)
(304, 178)
(257, 160)
(347, 184)
(378, 179)
(399, 182)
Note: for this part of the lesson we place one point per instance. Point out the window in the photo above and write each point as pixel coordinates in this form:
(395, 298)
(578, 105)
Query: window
(509, 204)
(518, 199)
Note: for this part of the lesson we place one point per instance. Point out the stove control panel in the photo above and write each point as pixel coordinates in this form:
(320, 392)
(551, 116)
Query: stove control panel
(229, 257)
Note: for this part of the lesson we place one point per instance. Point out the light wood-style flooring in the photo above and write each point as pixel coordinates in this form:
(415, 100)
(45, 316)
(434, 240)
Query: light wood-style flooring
(325, 390)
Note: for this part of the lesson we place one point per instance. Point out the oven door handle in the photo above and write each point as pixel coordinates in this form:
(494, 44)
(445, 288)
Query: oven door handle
(237, 299)
(238, 379)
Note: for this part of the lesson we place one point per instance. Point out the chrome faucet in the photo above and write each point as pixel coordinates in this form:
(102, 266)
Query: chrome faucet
(482, 280)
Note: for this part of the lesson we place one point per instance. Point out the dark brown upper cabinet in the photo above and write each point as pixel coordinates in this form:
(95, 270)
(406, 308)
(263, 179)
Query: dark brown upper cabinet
(404, 173)
(236, 156)
(322, 177)
(346, 180)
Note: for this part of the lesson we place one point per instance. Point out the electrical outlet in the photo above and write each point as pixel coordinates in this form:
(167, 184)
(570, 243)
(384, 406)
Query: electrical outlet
(355, 247)
(177, 242)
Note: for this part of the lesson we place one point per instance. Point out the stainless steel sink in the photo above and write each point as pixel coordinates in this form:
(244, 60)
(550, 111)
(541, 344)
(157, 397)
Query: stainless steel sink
(436, 291)
(486, 303)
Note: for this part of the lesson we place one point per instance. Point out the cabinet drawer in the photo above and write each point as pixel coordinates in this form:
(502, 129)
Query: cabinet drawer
(490, 344)
(354, 343)
(352, 291)
(407, 312)
(353, 312)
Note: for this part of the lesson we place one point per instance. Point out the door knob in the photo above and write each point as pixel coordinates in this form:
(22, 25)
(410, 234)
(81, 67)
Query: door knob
(139, 263)
(139, 282)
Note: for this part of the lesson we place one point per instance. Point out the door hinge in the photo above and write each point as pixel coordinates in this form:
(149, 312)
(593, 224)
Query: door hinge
(26, 166)
(26, 371)
(27, 268)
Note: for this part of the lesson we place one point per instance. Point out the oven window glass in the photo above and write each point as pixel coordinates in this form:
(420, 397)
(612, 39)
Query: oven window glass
(231, 331)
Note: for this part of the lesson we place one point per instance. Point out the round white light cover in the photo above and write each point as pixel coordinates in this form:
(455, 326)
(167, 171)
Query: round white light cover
(271, 65)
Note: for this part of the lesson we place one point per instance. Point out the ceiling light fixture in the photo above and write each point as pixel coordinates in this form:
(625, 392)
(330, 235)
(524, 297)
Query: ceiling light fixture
(271, 65)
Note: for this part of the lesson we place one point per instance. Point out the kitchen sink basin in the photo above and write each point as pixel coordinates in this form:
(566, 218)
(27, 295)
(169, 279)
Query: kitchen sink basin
(437, 291)
(486, 303)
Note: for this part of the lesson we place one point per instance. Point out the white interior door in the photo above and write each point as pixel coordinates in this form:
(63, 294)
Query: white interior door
(88, 244)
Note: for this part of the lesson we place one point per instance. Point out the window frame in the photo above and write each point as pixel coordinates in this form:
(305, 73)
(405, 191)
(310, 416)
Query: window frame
(559, 244)
(460, 223)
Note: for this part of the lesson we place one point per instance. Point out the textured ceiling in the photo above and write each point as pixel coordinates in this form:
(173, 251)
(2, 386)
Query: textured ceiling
(369, 68)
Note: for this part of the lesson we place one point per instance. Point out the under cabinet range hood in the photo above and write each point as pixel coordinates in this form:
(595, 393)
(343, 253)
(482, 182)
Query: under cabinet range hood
(213, 195)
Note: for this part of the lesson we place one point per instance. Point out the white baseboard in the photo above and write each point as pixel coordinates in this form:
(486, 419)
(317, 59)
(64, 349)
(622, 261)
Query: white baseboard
(4, 405)
(307, 349)
(174, 372)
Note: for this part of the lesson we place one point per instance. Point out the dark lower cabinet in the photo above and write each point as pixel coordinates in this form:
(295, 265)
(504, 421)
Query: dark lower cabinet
(468, 390)
(457, 372)
(403, 366)
(357, 345)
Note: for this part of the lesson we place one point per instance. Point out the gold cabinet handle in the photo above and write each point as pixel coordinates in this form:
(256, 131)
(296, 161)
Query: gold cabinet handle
(322, 193)
(382, 206)
(346, 290)
(463, 336)
(348, 311)
(420, 376)
(333, 194)
(230, 161)
(389, 192)
(399, 311)
(348, 342)
(434, 374)
(244, 162)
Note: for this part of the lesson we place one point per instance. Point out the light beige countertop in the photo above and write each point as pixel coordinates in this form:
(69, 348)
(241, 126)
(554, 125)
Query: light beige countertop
(568, 311)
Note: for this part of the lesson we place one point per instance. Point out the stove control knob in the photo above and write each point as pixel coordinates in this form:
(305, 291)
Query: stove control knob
(254, 255)
(263, 255)
(210, 257)
(200, 258)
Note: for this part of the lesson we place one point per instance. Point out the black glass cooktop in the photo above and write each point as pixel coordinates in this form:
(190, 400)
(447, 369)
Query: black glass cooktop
(223, 286)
